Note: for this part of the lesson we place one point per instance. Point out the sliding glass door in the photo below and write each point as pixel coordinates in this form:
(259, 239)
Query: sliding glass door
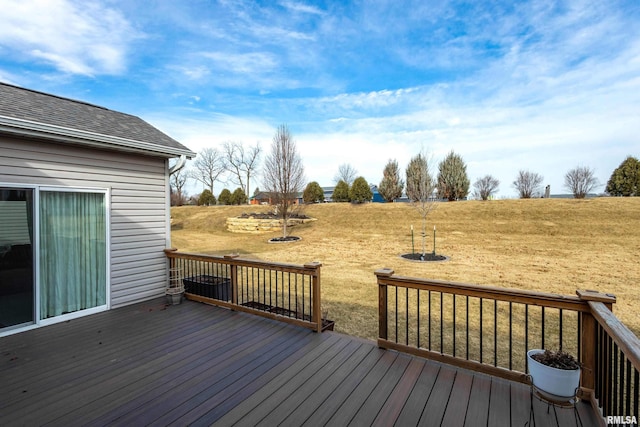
(66, 271)
(73, 252)
(16, 257)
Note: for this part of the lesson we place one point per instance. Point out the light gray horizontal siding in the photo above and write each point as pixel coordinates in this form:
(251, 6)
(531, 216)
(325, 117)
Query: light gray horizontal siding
(138, 204)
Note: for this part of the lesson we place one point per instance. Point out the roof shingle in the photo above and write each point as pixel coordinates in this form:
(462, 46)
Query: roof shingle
(39, 107)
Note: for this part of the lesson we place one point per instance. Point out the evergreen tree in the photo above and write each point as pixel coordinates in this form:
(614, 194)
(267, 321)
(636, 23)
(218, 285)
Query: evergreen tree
(625, 180)
(341, 192)
(391, 186)
(225, 197)
(206, 198)
(453, 182)
(313, 193)
(238, 197)
(360, 191)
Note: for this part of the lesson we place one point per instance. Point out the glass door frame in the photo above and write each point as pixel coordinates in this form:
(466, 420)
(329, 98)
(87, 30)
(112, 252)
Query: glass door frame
(35, 247)
(38, 321)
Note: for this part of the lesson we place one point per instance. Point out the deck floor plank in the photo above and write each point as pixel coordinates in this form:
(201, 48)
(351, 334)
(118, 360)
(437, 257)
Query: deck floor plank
(213, 409)
(456, 411)
(345, 388)
(478, 408)
(380, 394)
(108, 377)
(417, 400)
(194, 385)
(194, 364)
(345, 413)
(304, 386)
(323, 392)
(392, 408)
(499, 403)
(439, 397)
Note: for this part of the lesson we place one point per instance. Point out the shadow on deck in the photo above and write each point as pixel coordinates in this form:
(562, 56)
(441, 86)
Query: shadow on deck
(199, 364)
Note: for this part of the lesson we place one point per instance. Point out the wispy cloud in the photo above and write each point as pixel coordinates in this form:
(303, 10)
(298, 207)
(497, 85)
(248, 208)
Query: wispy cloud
(86, 39)
(502, 83)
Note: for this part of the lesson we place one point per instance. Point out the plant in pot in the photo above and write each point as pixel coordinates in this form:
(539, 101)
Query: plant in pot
(556, 374)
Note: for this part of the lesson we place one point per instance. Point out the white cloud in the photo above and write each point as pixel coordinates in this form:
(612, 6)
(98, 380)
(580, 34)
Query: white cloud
(78, 38)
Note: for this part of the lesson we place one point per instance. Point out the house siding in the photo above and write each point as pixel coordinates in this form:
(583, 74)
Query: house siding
(138, 204)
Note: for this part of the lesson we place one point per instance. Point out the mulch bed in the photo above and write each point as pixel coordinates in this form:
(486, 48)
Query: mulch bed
(429, 257)
(284, 239)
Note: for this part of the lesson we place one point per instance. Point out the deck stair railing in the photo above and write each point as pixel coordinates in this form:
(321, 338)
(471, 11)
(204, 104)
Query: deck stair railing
(286, 292)
(490, 329)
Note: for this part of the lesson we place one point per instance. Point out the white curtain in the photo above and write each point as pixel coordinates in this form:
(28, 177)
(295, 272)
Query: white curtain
(72, 252)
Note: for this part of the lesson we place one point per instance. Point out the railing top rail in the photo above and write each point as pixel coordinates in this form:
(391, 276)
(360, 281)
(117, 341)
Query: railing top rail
(311, 268)
(626, 340)
(567, 302)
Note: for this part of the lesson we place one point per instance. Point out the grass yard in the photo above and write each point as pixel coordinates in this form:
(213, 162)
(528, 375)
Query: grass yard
(551, 245)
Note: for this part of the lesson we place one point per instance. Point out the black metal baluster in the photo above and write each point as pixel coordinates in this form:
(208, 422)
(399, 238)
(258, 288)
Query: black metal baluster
(396, 327)
(406, 303)
(441, 323)
(627, 409)
(454, 325)
(418, 318)
(560, 330)
(467, 326)
(510, 335)
(429, 319)
(480, 330)
(495, 332)
(636, 392)
(543, 327)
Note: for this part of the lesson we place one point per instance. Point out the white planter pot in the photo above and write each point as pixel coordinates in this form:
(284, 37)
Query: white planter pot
(560, 384)
(174, 295)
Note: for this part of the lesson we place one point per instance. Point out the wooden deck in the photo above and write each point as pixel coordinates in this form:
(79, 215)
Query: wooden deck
(197, 364)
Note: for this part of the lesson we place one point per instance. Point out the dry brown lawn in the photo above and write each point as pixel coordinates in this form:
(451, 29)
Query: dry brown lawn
(551, 245)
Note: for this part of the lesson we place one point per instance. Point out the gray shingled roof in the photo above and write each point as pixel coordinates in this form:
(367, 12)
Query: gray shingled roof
(38, 107)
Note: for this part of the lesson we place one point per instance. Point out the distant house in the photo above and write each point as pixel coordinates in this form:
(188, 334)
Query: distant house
(84, 208)
(377, 198)
(328, 193)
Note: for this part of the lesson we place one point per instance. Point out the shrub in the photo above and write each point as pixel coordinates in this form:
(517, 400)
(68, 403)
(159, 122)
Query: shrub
(485, 187)
(580, 181)
(313, 193)
(360, 191)
(206, 198)
(625, 180)
(238, 197)
(527, 184)
(225, 197)
(341, 192)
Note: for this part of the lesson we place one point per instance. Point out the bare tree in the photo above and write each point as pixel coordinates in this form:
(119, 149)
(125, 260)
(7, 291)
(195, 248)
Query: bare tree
(527, 184)
(283, 174)
(177, 181)
(241, 163)
(581, 181)
(485, 187)
(207, 167)
(346, 173)
(421, 186)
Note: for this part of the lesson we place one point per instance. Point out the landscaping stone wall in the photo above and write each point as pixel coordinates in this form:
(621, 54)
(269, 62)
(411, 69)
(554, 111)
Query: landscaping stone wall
(257, 226)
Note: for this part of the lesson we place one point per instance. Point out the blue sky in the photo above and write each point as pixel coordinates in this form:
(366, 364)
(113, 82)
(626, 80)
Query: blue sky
(543, 86)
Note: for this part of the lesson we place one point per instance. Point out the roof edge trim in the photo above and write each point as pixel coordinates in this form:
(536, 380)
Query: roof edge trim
(58, 133)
